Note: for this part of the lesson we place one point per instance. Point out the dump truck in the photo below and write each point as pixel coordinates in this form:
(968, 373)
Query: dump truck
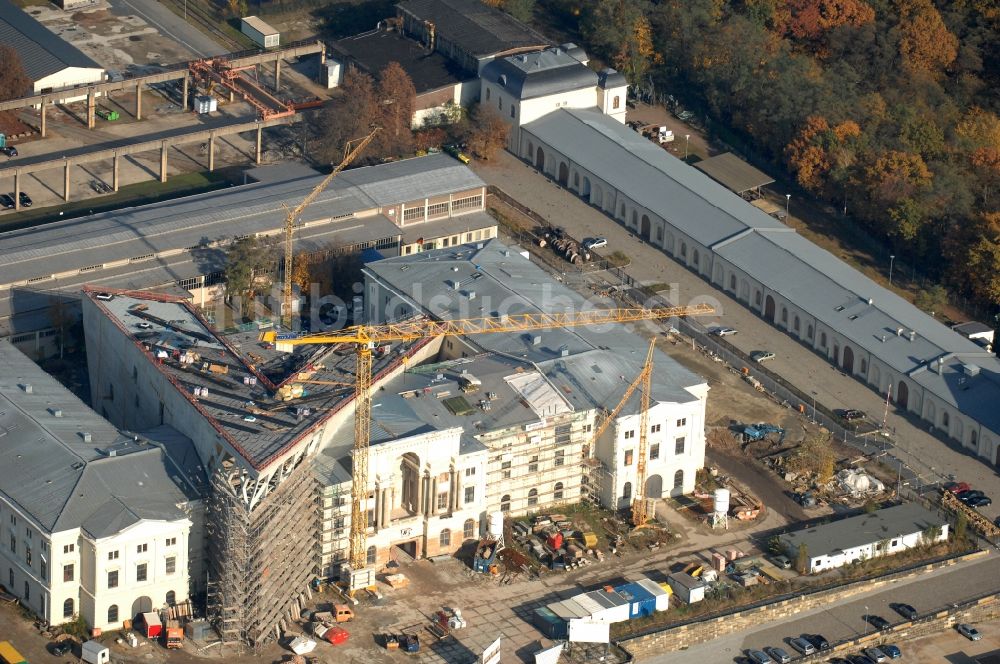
(174, 635)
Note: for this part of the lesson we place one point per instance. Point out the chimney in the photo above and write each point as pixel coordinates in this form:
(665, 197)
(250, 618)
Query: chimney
(27, 388)
(913, 335)
(899, 331)
(56, 412)
(86, 436)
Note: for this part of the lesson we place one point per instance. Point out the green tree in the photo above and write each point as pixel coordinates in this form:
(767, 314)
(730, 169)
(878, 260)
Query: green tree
(620, 31)
(961, 526)
(249, 267)
(930, 535)
(522, 10)
(932, 299)
(802, 559)
(351, 115)
(774, 545)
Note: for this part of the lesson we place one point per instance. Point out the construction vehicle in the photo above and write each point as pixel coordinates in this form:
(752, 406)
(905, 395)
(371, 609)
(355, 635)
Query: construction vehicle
(339, 613)
(754, 432)
(173, 635)
(330, 633)
(365, 338)
(351, 155)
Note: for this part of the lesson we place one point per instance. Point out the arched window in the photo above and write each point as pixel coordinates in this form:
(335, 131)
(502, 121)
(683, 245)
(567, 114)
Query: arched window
(372, 555)
(944, 419)
(533, 497)
(444, 539)
(488, 91)
(505, 503)
(809, 332)
(757, 297)
(695, 257)
(679, 479)
(784, 315)
(68, 608)
(616, 102)
(557, 491)
(795, 323)
(576, 180)
(627, 491)
(822, 339)
(864, 365)
(113, 613)
(684, 249)
(622, 215)
(171, 598)
(732, 282)
(469, 529)
(973, 438)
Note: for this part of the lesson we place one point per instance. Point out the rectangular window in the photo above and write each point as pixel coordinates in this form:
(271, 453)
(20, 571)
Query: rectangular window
(113, 579)
(564, 434)
(628, 457)
(513, 109)
(140, 572)
(413, 213)
(682, 422)
(654, 429)
(68, 573)
(470, 494)
(113, 555)
(142, 548)
(171, 541)
(437, 209)
(533, 465)
(616, 102)
(69, 548)
(171, 565)
(679, 445)
(469, 472)
(654, 451)
(630, 434)
(442, 500)
(587, 428)
(505, 466)
(560, 458)
(13, 543)
(27, 556)
(44, 569)
(470, 202)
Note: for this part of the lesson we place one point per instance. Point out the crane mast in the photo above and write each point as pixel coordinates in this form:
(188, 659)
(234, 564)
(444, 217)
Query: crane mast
(352, 154)
(640, 506)
(366, 337)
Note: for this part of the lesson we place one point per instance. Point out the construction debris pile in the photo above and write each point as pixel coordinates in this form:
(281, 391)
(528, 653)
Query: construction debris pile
(556, 543)
(857, 484)
(563, 245)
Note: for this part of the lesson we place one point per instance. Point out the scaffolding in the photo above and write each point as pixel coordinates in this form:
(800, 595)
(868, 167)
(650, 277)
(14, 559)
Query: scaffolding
(262, 559)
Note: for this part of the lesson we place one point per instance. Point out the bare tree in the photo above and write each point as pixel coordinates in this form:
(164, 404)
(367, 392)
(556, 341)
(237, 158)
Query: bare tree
(397, 98)
(351, 116)
(487, 132)
(14, 81)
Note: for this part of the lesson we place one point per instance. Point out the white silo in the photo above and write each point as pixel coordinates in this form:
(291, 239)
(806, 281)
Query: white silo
(720, 508)
(496, 524)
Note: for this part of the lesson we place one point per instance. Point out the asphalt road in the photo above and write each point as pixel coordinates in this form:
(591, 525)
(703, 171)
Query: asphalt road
(170, 25)
(927, 456)
(845, 619)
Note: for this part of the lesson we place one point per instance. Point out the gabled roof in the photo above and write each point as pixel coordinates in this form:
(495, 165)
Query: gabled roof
(852, 532)
(533, 75)
(42, 52)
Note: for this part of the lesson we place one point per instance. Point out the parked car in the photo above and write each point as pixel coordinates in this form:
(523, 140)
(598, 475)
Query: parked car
(979, 501)
(9, 150)
(782, 562)
(62, 648)
(6, 202)
(905, 610)
(455, 152)
(851, 414)
(966, 496)
(968, 631)
(761, 355)
(722, 331)
(24, 198)
(758, 657)
(957, 487)
(596, 243)
(818, 641)
(859, 659)
(878, 622)
(874, 654)
(779, 655)
(802, 646)
(891, 651)
(144, 325)
(249, 418)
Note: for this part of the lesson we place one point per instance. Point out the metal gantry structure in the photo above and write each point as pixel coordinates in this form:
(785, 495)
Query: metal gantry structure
(366, 337)
(350, 155)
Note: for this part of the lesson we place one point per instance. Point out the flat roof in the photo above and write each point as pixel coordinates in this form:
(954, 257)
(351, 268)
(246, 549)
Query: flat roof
(733, 173)
(862, 529)
(474, 26)
(58, 464)
(465, 223)
(260, 26)
(429, 70)
(42, 52)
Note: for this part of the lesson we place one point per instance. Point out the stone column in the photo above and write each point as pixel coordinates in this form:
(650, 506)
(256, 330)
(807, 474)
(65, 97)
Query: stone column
(434, 495)
(377, 509)
(17, 190)
(277, 73)
(211, 152)
(66, 181)
(421, 495)
(138, 101)
(42, 106)
(114, 172)
(91, 108)
(163, 161)
(184, 93)
(458, 491)
(386, 507)
(260, 131)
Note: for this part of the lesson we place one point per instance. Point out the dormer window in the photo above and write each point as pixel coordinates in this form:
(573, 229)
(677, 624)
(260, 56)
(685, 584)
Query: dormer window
(502, 80)
(488, 94)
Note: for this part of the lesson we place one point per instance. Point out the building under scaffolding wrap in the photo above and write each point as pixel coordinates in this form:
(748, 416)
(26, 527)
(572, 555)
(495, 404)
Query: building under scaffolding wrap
(261, 556)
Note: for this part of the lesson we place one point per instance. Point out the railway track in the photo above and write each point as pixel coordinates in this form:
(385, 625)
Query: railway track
(200, 17)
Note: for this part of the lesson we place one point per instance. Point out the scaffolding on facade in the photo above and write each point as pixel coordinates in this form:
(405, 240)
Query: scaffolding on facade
(261, 559)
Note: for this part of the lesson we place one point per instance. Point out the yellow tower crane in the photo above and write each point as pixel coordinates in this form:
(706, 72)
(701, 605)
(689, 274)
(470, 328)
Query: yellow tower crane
(366, 337)
(293, 215)
(644, 379)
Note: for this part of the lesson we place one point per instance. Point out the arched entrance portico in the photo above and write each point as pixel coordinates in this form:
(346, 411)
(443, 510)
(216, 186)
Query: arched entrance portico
(769, 309)
(848, 363)
(902, 395)
(654, 487)
(141, 605)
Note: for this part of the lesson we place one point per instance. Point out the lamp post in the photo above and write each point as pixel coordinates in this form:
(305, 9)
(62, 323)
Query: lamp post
(866, 621)
(814, 406)
(892, 259)
(788, 198)
(687, 142)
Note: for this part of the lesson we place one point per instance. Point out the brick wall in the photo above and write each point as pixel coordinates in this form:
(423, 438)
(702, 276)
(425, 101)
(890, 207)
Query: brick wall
(684, 636)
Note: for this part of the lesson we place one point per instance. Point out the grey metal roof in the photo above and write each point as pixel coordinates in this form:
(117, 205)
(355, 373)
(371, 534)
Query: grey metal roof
(455, 225)
(372, 51)
(42, 52)
(972, 327)
(611, 78)
(649, 175)
(733, 173)
(477, 28)
(532, 75)
(831, 538)
(970, 383)
(62, 481)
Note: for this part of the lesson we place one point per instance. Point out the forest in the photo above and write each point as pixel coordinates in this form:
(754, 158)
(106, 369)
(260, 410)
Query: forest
(886, 109)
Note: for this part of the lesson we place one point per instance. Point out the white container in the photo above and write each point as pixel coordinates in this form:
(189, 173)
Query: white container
(496, 523)
(722, 501)
(94, 652)
(205, 104)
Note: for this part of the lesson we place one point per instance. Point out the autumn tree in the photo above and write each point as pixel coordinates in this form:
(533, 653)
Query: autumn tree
(812, 19)
(621, 32)
(351, 116)
(487, 132)
(978, 128)
(819, 148)
(396, 99)
(925, 43)
(14, 81)
(983, 262)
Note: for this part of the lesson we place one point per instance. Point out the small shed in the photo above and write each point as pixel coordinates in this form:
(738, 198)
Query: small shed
(661, 596)
(95, 652)
(549, 624)
(735, 174)
(260, 32)
(603, 606)
(151, 625)
(687, 587)
(640, 601)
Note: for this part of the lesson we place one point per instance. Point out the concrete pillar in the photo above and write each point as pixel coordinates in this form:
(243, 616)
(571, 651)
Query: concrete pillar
(91, 108)
(322, 54)
(138, 101)
(17, 190)
(232, 96)
(66, 181)
(422, 496)
(163, 161)
(277, 73)
(376, 521)
(434, 496)
(259, 150)
(184, 93)
(458, 491)
(43, 105)
(114, 172)
(386, 507)
(211, 152)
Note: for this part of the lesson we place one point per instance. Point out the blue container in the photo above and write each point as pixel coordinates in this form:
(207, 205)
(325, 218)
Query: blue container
(641, 602)
(549, 624)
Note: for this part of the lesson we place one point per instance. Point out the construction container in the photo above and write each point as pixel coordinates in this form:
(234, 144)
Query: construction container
(640, 601)
(602, 605)
(661, 596)
(260, 32)
(94, 652)
(555, 541)
(198, 629)
(549, 624)
(205, 104)
(151, 625)
(590, 540)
